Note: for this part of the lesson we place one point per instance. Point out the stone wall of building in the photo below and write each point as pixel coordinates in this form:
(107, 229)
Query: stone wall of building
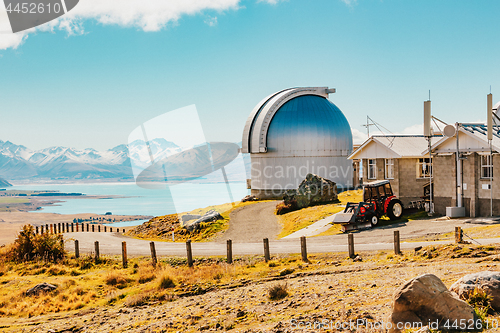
(410, 187)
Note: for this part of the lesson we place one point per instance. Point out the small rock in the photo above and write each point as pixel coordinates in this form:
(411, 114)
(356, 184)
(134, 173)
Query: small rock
(486, 280)
(424, 330)
(240, 314)
(42, 287)
(250, 198)
(418, 248)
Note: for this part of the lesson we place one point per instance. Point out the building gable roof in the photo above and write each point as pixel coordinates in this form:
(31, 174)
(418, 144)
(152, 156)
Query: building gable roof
(472, 138)
(392, 146)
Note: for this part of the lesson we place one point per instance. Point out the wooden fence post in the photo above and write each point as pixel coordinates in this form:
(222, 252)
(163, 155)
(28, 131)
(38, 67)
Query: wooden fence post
(76, 226)
(267, 254)
(105, 228)
(59, 227)
(99, 228)
(124, 254)
(303, 248)
(36, 232)
(96, 245)
(110, 229)
(72, 227)
(397, 245)
(189, 253)
(229, 251)
(67, 227)
(77, 249)
(51, 228)
(93, 228)
(350, 244)
(458, 235)
(123, 230)
(87, 227)
(153, 253)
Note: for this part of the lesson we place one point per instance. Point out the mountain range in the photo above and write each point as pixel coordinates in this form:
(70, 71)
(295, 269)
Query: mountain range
(18, 162)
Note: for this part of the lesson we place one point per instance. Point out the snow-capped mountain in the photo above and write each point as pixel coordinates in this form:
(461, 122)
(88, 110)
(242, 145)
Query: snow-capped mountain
(19, 162)
(121, 162)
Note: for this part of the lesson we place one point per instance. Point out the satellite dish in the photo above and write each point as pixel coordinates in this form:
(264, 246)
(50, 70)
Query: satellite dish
(449, 130)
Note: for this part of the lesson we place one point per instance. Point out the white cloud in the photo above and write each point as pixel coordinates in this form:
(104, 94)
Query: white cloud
(211, 21)
(358, 137)
(271, 2)
(349, 3)
(10, 40)
(151, 15)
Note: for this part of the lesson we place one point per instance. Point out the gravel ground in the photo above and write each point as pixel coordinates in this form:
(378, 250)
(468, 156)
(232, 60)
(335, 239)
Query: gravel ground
(336, 292)
(252, 223)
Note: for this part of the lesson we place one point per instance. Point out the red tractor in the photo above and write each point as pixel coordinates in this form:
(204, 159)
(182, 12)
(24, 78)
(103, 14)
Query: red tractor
(378, 200)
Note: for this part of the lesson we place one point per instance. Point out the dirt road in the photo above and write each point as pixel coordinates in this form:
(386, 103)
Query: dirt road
(252, 223)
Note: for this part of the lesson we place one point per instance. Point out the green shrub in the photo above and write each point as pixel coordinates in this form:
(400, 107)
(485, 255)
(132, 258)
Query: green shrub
(29, 246)
(479, 300)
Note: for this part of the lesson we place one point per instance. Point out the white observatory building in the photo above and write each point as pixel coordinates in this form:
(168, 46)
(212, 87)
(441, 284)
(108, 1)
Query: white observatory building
(294, 132)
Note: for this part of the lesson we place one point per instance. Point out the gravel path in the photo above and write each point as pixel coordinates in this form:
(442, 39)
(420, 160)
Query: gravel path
(252, 223)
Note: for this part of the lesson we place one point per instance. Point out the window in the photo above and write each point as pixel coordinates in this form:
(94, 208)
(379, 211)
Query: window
(372, 169)
(424, 168)
(486, 167)
(389, 168)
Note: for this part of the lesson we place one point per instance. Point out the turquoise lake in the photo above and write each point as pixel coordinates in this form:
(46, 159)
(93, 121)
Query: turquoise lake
(139, 201)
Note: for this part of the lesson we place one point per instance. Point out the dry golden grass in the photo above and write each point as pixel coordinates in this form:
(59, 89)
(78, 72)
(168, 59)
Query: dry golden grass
(304, 217)
(350, 196)
(363, 286)
(116, 279)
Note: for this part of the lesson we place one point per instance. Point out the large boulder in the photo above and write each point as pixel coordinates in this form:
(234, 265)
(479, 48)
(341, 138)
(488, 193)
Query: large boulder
(487, 281)
(209, 216)
(426, 300)
(312, 190)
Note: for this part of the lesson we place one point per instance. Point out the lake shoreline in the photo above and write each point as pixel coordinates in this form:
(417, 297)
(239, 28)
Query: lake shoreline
(12, 222)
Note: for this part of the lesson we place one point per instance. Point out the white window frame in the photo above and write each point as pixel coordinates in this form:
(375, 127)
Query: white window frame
(389, 168)
(372, 168)
(424, 168)
(486, 167)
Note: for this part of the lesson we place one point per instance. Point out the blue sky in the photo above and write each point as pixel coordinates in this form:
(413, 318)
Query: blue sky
(92, 86)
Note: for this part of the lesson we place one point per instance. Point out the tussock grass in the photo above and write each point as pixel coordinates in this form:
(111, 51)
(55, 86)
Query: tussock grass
(100, 284)
(278, 291)
(116, 279)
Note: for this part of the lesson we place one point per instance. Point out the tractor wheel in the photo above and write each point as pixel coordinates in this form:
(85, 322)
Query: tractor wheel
(395, 209)
(374, 220)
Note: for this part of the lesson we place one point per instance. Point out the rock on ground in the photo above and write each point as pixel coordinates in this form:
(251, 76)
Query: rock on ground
(312, 190)
(486, 280)
(426, 299)
(39, 288)
(209, 216)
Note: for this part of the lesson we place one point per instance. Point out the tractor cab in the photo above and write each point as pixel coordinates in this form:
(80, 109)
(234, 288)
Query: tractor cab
(378, 190)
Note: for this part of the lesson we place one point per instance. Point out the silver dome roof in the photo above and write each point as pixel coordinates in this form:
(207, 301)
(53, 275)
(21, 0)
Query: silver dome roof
(298, 122)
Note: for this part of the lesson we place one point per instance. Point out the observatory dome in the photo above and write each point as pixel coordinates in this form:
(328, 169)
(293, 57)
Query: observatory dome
(294, 132)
